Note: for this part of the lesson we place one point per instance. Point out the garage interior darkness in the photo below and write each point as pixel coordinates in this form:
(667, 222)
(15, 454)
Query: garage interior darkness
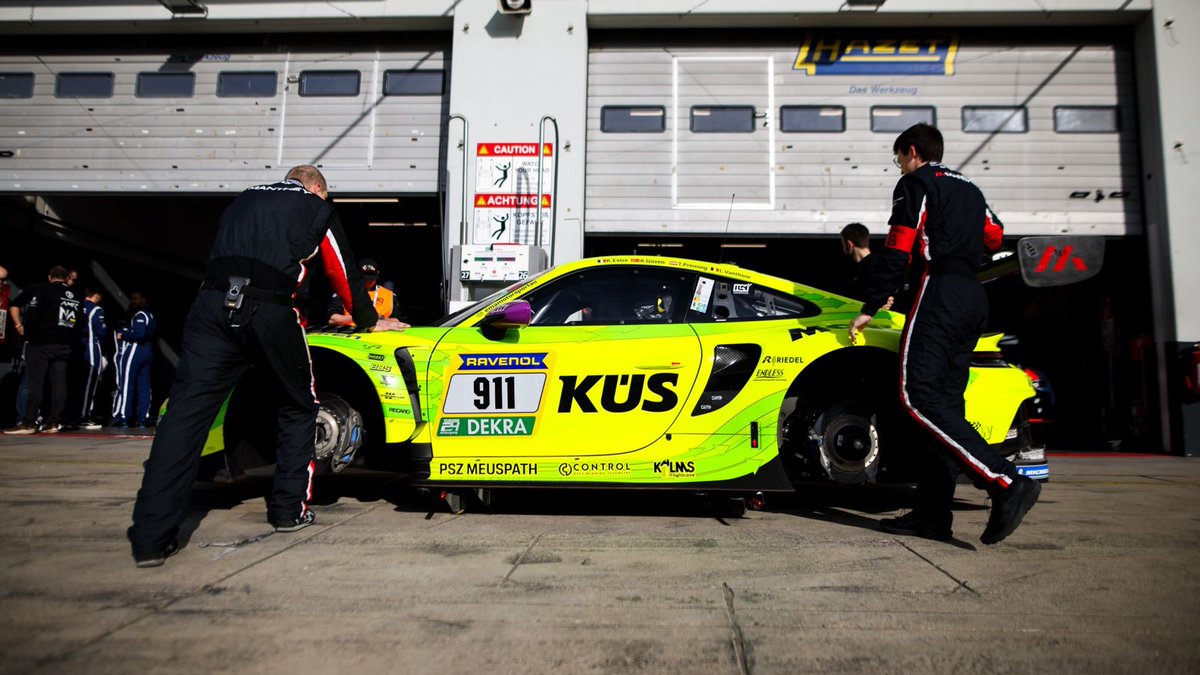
(159, 245)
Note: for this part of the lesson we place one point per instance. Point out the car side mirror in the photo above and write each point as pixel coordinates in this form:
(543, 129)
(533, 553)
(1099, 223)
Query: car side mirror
(515, 314)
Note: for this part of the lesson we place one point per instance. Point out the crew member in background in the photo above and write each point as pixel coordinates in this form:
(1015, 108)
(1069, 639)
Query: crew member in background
(10, 351)
(50, 325)
(942, 215)
(856, 245)
(244, 315)
(93, 363)
(135, 353)
(5, 297)
(382, 298)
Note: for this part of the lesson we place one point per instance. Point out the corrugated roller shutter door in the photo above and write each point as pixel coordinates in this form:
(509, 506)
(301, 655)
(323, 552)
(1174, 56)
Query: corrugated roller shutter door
(823, 180)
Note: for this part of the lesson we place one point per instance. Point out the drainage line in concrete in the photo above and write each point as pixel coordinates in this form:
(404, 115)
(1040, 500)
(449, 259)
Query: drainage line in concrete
(69, 652)
(520, 559)
(960, 582)
(739, 640)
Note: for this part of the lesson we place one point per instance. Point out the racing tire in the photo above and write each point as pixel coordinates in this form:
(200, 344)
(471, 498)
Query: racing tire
(340, 434)
(845, 439)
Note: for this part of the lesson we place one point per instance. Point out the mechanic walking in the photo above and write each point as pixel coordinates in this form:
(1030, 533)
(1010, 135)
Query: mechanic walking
(134, 355)
(944, 215)
(243, 316)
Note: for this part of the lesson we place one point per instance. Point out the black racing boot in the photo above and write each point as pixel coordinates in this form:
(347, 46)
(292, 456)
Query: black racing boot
(157, 558)
(1009, 507)
(307, 518)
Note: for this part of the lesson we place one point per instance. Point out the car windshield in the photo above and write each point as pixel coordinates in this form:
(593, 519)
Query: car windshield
(455, 318)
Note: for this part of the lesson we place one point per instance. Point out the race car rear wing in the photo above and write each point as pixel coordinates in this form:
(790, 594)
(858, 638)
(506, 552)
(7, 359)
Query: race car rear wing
(1048, 261)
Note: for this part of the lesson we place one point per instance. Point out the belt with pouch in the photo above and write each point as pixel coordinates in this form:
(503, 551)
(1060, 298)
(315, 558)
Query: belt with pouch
(248, 291)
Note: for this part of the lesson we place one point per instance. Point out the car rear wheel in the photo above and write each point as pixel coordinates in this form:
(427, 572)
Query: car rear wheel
(846, 440)
(340, 433)
(838, 442)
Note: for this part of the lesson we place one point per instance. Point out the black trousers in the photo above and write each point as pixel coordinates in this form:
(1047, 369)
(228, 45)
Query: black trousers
(46, 364)
(215, 354)
(947, 318)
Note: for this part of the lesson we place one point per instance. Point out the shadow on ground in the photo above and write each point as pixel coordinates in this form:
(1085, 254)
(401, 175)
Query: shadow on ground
(840, 504)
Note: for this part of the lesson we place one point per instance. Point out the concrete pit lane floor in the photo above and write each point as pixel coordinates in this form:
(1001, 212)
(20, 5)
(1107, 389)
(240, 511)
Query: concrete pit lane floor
(1100, 578)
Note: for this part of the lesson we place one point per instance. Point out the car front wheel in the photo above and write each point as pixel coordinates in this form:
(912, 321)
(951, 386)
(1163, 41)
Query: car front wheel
(340, 433)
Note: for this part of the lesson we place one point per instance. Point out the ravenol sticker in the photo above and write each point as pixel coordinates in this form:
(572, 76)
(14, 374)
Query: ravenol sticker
(831, 55)
(486, 426)
(503, 361)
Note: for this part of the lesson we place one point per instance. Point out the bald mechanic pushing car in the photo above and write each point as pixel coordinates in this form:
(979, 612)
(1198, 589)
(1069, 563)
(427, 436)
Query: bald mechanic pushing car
(244, 316)
(942, 215)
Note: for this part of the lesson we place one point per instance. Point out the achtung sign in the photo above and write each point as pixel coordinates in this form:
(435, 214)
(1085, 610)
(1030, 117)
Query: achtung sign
(506, 186)
(510, 201)
(862, 55)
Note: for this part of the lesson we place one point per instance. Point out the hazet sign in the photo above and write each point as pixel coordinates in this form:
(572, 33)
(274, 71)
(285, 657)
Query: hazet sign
(832, 55)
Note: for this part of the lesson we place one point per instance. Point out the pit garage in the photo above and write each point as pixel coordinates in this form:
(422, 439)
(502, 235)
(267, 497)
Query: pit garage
(705, 132)
(757, 147)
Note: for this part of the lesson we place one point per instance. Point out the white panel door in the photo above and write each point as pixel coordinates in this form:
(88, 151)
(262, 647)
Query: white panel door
(723, 133)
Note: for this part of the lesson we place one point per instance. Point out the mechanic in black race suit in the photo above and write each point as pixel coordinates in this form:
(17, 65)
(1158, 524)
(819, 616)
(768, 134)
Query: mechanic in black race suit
(243, 316)
(945, 216)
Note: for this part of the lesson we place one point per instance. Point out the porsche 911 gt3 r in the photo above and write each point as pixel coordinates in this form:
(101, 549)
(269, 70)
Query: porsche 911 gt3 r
(632, 372)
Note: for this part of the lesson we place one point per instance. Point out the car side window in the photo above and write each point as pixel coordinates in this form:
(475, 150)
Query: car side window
(618, 295)
(743, 301)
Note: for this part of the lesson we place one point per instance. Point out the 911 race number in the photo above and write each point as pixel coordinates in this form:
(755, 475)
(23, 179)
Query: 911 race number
(494, 393)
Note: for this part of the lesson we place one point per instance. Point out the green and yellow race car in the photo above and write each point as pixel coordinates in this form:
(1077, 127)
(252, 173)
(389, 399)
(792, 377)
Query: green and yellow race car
(631, 372)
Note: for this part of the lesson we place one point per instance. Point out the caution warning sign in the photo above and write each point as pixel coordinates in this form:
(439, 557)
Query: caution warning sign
(506, 186)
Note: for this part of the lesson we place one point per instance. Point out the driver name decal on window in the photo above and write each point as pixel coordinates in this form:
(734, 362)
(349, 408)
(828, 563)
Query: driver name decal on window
(702, 295)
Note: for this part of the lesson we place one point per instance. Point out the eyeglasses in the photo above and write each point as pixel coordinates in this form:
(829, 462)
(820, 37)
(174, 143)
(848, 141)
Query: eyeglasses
(896, 160)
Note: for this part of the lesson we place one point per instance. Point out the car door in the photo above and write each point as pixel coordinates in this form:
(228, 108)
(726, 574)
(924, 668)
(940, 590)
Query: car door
(604, 368)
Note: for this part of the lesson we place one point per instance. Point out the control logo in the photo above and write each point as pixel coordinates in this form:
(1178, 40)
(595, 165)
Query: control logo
(568, 469)
(619, 393)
